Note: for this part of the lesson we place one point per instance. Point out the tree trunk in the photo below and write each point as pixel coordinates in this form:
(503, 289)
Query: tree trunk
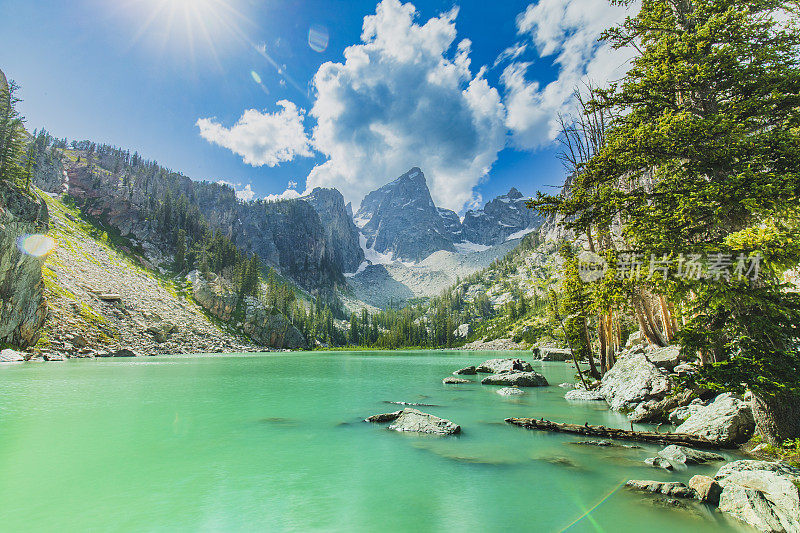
(601, 337)
(615, 433)
(777, 417)
(592, 367)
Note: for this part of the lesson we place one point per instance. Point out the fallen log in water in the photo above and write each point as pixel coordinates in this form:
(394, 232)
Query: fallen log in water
(614, 433)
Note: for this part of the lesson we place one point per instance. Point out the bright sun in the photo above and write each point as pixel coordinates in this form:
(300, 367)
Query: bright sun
(187, 25)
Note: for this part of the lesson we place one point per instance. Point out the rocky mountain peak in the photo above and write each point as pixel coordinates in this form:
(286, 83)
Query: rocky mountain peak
(340, 231)
(513, 194)
(401, 220)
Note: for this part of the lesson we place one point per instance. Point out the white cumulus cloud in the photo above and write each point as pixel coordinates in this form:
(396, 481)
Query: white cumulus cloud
(245, 194)
(262, 138)
(405, 96)
(288, 194)
(568, 30)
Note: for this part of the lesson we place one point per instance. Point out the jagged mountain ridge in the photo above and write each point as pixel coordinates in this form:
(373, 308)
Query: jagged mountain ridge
(401, 222)
(400, 219)
(313, 240)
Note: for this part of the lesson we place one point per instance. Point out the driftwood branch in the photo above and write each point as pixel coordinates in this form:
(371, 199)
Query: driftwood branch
(614, 433)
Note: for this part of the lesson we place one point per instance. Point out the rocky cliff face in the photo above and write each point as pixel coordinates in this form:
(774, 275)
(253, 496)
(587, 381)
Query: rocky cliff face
(452, 224)
(22, 306)
(265, 326)
(340, 231)
(400, 219)
(505, 217)
(289, 235)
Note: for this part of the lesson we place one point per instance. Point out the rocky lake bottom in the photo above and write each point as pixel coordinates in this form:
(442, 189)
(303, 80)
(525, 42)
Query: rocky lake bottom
(245, 442)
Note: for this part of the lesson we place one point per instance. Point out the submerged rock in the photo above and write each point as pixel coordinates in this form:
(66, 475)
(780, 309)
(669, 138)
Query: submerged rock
(584, 395)
(726, 420)
(516, 379)
(763, 494)
(510, 391)
(419, 422)
(453, 381)
(667, 488)
(466, 371)
(496, 366)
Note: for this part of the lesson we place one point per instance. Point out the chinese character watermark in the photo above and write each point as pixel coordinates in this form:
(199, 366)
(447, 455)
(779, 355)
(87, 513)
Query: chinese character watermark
(715, 266)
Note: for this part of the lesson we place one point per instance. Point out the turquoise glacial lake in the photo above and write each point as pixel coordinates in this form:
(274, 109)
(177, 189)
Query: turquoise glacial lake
(276, 442)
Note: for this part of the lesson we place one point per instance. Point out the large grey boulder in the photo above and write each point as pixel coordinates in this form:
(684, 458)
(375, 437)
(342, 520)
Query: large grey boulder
(725, 420)
(762, 494)
(419, 422)
(496, 366)
(633, 380)
(24, 221)
(270, 327)
(213, 294)
(555, 354)
(516, 379)
(682, 414)
(584, 395)
(707, 489)
(466, 371)
(665, 357)
(265, 326)
(688, 456)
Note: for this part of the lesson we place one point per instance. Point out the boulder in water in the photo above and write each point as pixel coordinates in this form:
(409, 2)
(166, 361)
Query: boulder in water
(688, 456)
(11, 356)
(707, 489)
(763, 494)
(675, 489)
(634, 380)
(419, 422)
(725, 420)
(466, 371)
(516, 379)
(496, 366)
(454, 381)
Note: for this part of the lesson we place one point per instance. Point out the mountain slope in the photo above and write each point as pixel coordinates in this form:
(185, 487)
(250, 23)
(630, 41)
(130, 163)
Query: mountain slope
(102, 299)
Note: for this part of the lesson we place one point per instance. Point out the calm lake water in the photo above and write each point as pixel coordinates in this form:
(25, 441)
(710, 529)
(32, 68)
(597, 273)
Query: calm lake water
(276, 442)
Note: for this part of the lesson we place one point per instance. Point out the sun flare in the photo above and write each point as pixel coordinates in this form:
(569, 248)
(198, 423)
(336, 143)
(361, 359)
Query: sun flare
(187, 25)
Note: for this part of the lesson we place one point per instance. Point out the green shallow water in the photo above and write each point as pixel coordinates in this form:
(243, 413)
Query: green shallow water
(276, 442)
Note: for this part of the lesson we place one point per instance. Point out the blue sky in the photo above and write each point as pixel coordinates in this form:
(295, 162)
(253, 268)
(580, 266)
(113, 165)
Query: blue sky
(171, 78)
